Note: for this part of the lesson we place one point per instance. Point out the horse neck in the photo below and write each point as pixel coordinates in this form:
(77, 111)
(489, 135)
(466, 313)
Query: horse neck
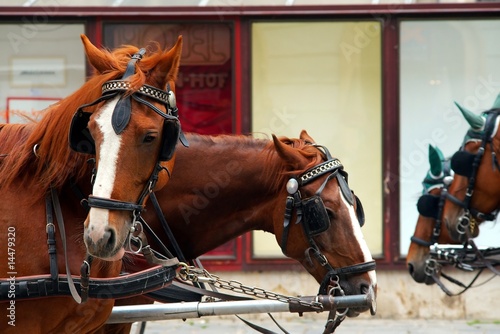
(218, 191)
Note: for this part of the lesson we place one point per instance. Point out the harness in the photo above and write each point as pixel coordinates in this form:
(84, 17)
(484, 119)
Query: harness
(81, 141)
(312, 215)
(467, 164)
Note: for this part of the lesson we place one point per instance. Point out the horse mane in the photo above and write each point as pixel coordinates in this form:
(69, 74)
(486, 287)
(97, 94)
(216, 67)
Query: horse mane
(276, 170)
(238, 141)
(55, 163)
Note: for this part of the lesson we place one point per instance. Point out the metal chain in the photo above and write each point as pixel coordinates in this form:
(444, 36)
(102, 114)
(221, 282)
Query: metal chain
(194, 274)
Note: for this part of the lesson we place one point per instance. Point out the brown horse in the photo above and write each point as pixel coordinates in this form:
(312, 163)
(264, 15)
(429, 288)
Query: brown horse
(224, 186)
(474, 194)
(430, 228)
(38, 171)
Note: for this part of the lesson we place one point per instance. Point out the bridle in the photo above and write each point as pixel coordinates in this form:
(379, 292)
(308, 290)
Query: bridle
(467, 164)
(431, 206)
(81, 141)
(312, 215)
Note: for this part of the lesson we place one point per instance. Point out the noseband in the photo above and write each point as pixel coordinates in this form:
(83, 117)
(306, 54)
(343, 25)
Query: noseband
(467, 164)
(312, 215)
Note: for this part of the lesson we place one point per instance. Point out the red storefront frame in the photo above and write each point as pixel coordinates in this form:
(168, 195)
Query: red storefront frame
(240, 18)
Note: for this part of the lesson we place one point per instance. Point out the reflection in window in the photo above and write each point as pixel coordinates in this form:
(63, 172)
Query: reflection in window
(441, 62)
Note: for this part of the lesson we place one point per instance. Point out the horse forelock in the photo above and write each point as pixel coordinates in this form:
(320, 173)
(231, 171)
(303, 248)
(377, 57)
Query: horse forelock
(279, 171)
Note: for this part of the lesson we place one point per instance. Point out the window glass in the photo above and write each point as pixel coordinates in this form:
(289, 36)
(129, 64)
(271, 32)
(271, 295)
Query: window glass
(43, 63)
(324, 77)
(441, 62)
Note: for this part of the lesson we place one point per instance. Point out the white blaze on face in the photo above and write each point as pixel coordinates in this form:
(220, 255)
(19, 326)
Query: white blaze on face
(358, 234)
(105, 177)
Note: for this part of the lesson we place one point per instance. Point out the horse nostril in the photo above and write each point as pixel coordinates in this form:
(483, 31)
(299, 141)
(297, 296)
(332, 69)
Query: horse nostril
(410, 268)
(109, 236)
(364, 288)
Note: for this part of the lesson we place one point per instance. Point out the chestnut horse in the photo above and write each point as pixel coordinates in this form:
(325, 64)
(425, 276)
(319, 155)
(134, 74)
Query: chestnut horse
(430, 228)
(224, 186)
(39, 172)
(474, 194)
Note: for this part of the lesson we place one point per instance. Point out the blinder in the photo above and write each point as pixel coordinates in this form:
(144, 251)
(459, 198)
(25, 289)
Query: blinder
(462, 163)
(428, 206)
(360, 212)
(80, 139)
(171, 134)
(315, 216)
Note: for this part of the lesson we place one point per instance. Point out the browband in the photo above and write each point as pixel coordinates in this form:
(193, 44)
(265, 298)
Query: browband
(319, 170)
(150, 91)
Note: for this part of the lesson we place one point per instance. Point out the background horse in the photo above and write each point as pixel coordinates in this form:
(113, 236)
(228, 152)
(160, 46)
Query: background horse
(225, 186)
(37, 161)
(474, 194)
(430, 228)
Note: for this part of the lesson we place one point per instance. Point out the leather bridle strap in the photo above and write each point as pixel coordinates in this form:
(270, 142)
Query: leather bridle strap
(479, 255)
(60, 224)
(166, 228)
(50, 228)
(345, 271)
(112, 204)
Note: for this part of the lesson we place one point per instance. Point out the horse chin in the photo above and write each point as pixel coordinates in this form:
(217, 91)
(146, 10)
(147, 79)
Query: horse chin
(117, 256)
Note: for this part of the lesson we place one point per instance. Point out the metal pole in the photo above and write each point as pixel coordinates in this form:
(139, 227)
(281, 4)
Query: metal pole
(187, 310)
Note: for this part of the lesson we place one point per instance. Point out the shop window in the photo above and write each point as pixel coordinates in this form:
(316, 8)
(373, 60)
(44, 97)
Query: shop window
(325, 79)
(442, 61)
(43, 64)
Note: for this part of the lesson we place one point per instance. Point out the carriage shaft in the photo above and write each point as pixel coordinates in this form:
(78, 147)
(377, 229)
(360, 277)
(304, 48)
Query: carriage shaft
(188, 310)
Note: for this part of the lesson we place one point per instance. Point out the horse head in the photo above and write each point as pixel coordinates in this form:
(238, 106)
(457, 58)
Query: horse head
(430, 228)
(132, 128)
(323, 218)
(474, 194)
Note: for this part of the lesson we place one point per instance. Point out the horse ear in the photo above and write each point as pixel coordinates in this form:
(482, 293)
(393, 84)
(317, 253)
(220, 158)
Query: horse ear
(290, 155)
(168, 67)
(436, 159)
(100, 60)
(476, 122)
(305, 136)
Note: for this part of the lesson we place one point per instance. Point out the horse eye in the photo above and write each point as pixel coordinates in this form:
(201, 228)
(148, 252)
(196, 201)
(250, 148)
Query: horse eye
(149, 138)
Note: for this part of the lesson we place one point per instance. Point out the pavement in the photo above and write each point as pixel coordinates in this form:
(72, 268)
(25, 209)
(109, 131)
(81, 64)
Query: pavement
(227, 324)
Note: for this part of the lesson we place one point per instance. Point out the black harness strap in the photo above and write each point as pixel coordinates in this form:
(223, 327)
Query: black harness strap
(50, 228)
(166, 228)
(60, 223)
(100, 288)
